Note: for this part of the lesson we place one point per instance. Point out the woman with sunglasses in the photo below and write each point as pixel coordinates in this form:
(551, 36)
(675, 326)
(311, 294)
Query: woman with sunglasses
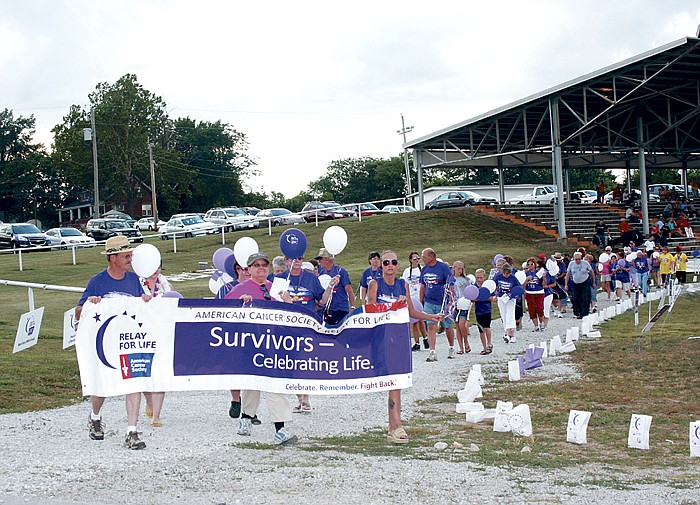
(258, 288)
(389, 289)
(373, 272)
(412, 275)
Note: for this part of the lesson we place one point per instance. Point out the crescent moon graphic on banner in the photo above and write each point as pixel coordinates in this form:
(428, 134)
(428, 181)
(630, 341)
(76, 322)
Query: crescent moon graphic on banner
(574, 419)
(636, 421)
(99, 343)
(697, 432)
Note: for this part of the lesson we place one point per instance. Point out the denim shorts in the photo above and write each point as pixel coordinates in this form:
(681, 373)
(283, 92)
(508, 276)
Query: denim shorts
(434, 308)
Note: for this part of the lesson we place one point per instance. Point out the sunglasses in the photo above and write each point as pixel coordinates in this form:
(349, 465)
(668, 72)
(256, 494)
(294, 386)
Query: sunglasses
(259, 265)
(390, 262)
(266, 293)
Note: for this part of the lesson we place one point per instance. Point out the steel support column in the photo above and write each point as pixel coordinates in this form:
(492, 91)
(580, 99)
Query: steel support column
(557, 165)
(501, 186)
(643, 177)
(418, 166)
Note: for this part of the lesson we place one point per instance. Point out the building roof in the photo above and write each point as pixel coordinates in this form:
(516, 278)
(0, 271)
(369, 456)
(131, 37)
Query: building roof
(598, 117)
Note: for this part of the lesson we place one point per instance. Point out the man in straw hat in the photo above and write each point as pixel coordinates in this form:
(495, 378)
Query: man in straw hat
(114, 281)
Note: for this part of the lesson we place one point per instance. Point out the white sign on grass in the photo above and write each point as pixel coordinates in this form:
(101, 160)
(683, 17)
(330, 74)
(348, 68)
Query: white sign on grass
(28, 329)
(638, 437)
(70, 328)
(577, 427)
(695, 439)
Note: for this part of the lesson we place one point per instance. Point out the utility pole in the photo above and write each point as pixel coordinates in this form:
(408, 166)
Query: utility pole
(96, 177)
(403, 131)
(153, 187)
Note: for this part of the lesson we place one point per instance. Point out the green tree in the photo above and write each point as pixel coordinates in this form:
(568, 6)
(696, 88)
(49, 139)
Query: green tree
(214, 155)
(360, 180)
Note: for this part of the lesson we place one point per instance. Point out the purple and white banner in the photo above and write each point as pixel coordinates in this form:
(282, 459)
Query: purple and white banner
(125, 345)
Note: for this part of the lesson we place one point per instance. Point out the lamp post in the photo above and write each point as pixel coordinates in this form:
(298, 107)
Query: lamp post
(403, 131)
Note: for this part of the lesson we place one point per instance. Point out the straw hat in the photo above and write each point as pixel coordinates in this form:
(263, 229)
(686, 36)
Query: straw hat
(117, 244)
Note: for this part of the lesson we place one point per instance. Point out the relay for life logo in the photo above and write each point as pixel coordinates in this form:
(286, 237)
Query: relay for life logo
(123, 342)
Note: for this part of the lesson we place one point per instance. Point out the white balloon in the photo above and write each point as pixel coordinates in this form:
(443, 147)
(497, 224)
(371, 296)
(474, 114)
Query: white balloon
(335, 239)
(524, 265)
(463, 303)
(520, 275)
(325, 280)
(656, 254)
(552, 264)
(471, 278)
(631, 257)
(243, 248)
(145, 260)
(600, 267)
(553, 270)
(490, 285)
(214, 286)
(603, 257)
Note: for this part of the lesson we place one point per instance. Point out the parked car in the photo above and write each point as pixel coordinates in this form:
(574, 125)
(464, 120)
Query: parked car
(101, 229)
(398, 208)
(146, 223)
(186, 227)
(366, 209)
(478, 199)
(451, 199)
(231, 218)
(251, 211)
(325, 211)
(279, 217)
(584, 196)
(538, 195)
(66, 236)
(20, 235)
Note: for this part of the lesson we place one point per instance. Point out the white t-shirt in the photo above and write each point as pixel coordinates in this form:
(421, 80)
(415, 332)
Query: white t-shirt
(649, 245)
(412, 276)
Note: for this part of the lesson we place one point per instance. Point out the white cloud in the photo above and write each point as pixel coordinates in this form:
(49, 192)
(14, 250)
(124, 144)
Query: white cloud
(314, 81)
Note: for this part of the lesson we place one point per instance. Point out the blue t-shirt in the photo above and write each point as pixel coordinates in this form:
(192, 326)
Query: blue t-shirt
(435, 278)
(505, 284)
(641, 265)
(534, 281)
(549, 279)
(305, 289)
(481, 308)
(106, 286)
(621, 274)
(389, 294)
(340, 295)
(368, 275)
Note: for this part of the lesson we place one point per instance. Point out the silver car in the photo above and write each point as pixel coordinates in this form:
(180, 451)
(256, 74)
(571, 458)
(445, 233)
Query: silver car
(279, 217)
(231, 218)
(187, 226)
(66, 236)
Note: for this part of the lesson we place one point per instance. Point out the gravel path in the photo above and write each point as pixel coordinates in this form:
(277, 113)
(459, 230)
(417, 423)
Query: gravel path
(47, 457)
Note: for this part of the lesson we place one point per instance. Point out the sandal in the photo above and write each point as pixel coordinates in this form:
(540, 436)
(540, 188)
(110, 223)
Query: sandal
(297, 409)
(398, 436)
(157, 424)
(486, 351)
(460, 352)
(149, 412)
(468, 350)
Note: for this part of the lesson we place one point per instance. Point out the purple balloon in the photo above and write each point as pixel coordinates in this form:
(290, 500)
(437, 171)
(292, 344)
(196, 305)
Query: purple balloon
(418, 306)
(172, 294)
(496, 258)
(471, 292)
(622, 264)
(696, 253)
(229, 266)
(293, 243)
(517, 292)
(484, 294)
(220, 256)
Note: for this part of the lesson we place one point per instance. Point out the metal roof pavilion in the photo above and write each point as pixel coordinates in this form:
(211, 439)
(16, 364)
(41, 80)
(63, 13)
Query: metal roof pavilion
(641, 112)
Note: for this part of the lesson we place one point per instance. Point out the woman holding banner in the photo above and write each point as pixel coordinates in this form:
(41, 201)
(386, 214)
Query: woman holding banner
(389, 289)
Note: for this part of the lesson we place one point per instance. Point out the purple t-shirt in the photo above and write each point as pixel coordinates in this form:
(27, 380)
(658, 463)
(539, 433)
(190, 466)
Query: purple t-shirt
(435, 278)
(106, 286)
(252, 288)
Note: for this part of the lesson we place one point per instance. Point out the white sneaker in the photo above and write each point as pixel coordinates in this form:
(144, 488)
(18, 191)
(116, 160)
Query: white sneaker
(506, 339)
(282, 437)
(431, 357)
(451, 354)
(512, 340)
(245, 426)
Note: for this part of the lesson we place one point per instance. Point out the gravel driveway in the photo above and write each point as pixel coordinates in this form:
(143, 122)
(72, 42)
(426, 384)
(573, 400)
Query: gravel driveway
(47, 457)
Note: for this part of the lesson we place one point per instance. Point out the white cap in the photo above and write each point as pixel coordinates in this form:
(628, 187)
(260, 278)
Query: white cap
(307, 266)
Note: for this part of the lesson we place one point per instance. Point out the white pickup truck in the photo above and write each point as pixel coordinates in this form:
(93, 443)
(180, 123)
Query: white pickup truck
(538, 194)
